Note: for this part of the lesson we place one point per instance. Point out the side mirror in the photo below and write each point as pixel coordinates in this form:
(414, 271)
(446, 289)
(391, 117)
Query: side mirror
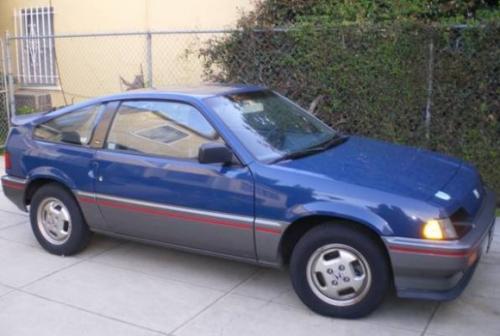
(214, 152)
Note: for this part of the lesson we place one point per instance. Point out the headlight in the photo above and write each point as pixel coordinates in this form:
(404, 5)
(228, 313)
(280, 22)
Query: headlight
(439, 229)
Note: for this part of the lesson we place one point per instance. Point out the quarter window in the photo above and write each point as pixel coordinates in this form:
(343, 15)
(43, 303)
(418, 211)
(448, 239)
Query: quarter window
(74, 128)
(160, 128)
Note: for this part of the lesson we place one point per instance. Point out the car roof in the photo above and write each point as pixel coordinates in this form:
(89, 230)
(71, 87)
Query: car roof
(174, 92)
(195, 91)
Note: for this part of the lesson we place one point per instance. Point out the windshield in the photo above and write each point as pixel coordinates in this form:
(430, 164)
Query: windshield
(269, 125)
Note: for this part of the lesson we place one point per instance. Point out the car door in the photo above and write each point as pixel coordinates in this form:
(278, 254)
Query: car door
(150, 185)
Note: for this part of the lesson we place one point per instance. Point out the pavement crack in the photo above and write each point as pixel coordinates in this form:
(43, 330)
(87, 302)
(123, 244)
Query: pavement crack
(172, 332)
(77, 262)
(430, 319)
(12, 225)
(92, 312)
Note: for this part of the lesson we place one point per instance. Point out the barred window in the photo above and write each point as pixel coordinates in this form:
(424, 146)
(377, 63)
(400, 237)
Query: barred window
(36, 51)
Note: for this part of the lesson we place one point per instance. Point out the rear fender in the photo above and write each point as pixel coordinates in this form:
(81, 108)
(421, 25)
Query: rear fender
(51, 173)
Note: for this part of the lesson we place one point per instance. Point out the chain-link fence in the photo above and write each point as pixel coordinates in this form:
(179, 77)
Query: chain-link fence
(90, 65)
(433, 87)
(4, 119)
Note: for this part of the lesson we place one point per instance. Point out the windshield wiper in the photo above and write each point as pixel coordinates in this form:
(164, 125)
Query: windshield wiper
(332, 142)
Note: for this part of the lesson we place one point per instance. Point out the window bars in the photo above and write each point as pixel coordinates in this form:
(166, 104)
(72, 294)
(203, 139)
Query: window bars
(35, 48)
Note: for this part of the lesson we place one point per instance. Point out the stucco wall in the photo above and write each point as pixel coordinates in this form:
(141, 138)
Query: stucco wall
(93, 66)
(73, 16)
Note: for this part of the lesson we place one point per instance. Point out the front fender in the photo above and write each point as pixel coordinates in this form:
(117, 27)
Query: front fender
(268, 245)
(339, 209)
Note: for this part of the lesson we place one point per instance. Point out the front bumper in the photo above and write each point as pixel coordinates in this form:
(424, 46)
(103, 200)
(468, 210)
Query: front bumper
(14, 189)
(440, 270)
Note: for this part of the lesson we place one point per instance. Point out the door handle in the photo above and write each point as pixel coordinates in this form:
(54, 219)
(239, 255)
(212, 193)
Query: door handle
(93, 171)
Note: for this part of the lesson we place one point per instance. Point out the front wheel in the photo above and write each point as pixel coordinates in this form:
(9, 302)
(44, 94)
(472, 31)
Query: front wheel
(339, 271)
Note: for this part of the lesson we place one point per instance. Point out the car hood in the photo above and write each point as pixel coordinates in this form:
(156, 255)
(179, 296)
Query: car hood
(396, 169)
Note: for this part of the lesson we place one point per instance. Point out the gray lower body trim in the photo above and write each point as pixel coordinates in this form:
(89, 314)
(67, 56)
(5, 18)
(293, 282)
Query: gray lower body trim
(14, 189)
(208, 232)
(189, 249)
(440, 269)
(261, 224)
(441, 295)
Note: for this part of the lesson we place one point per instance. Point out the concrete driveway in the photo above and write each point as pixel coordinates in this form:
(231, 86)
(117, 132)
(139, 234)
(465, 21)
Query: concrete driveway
(122, 288)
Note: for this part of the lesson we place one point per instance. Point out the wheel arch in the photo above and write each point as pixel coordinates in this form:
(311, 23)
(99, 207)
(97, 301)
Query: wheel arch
(43, 175)
(35, 184)
(299, 227)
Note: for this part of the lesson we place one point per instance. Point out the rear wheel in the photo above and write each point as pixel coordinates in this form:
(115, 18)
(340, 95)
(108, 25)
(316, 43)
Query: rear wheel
(339, 271)
(57, 222)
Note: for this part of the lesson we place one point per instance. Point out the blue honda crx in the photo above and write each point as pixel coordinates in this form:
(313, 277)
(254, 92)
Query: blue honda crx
(243, 173)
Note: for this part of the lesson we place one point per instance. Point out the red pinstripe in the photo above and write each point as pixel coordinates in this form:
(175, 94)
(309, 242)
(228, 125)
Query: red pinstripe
(13, 185)
(268, 230)
(170, 214)
(441, 253)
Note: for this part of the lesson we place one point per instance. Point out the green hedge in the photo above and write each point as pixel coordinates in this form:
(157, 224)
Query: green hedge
(377, 81)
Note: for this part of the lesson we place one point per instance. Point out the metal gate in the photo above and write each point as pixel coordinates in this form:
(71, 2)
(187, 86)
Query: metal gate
(4, 97)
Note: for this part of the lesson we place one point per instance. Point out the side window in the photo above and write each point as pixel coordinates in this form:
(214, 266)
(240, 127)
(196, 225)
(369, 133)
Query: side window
(74, 128)
(160, 128)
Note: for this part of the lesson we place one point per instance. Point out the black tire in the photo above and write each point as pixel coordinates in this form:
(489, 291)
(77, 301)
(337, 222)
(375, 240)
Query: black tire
(79, 235)
(333, 233)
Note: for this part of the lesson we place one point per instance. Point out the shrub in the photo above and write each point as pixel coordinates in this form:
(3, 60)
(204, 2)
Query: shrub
(413, 83)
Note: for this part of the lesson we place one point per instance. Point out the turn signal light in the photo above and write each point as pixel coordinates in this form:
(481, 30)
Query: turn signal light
(432, 230)
(439, 229)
